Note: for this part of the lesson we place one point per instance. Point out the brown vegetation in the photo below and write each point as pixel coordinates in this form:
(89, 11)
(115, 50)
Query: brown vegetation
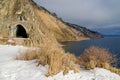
(97, 57)
(57, 59)
(28, 54)
(54, 56)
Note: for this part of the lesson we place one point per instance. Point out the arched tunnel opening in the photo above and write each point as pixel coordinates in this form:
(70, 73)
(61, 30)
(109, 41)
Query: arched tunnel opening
(21, 32)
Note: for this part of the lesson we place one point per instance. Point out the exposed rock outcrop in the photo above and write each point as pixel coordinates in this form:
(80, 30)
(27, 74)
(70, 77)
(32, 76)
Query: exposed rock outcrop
(83, 31)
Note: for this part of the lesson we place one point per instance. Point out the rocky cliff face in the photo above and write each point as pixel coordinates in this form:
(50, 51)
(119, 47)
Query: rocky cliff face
(39, 25)
(82, 31)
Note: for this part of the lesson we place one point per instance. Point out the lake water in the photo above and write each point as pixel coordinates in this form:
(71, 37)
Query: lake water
(110, 43)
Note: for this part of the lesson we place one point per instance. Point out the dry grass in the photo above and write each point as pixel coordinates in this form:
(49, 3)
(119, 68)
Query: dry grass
(57, 60)
(3, 38)
(3, 41)
(52, 55)
(97, 57)
(28, 54)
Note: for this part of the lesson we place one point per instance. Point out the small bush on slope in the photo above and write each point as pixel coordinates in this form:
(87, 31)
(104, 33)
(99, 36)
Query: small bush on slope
(54, 56)
(97, 57)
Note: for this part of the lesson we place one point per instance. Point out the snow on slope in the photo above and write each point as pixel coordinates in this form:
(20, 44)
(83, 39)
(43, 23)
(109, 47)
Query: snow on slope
(11, 69)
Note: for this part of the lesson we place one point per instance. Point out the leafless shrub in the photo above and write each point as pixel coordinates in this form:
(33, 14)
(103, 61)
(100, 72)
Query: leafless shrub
(98, 57)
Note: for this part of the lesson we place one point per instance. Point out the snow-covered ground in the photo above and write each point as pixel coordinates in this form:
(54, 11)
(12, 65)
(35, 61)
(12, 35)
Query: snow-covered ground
(11, 69)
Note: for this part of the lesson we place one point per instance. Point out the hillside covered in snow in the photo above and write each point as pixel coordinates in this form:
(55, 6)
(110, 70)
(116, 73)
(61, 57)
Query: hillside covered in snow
(12, 69)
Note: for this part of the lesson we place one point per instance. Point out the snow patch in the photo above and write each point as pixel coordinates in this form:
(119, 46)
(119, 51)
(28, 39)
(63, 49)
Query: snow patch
(11, 69)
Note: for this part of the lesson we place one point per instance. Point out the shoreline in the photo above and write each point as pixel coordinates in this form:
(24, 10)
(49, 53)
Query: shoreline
(62, 43)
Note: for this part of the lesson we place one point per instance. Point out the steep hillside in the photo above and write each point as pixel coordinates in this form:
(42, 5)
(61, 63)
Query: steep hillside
(40, 25)
(82, 31)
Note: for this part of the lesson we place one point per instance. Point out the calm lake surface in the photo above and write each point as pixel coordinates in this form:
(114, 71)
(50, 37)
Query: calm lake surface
(110, 43)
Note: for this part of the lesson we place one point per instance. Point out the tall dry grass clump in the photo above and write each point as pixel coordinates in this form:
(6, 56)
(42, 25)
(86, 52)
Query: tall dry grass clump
(52, 55)
(97, 57)
(57, 60)
(28, 54)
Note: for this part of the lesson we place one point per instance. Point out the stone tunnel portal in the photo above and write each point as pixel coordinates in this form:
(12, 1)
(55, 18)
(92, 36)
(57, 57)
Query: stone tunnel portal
(21, 32)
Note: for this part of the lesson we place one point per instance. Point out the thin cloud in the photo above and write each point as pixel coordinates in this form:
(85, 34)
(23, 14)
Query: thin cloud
(85, 12)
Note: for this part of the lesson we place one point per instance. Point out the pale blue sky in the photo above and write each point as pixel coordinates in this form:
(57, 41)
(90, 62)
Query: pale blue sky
(89, 13)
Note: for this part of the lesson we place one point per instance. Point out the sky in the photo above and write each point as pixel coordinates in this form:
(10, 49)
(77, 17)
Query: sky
(93, 14)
